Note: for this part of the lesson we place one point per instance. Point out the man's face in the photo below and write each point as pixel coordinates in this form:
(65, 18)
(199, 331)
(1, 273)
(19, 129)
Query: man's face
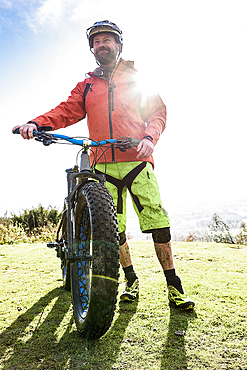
(105, 48)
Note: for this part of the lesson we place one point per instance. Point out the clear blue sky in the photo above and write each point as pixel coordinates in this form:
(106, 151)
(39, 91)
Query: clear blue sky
(194, 52)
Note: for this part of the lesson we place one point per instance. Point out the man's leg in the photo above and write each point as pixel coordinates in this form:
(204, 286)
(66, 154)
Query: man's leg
(154, 219)
(165, 257)
(164, 253)
(125, 255)
(132, 283)
(163, 249)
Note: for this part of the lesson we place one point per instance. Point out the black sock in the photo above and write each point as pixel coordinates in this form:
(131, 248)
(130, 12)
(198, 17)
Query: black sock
(174, 280)
(130, 274)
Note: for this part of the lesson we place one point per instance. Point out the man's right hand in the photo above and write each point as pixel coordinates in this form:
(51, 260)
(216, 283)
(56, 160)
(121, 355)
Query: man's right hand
(26, 130)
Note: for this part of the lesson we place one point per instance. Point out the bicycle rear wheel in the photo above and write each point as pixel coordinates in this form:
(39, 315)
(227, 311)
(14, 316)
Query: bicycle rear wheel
(94, 278)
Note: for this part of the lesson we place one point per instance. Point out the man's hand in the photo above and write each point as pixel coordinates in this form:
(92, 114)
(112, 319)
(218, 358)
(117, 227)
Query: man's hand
(26, 130)
(145, 148)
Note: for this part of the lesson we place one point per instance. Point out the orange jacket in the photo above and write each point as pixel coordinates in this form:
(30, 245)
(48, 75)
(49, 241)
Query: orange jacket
(114, 109)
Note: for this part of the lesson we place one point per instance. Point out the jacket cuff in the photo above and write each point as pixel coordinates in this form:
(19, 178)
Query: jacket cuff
(148, 137)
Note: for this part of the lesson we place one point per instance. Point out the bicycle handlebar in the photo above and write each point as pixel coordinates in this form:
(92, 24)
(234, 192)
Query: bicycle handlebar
(48, 138)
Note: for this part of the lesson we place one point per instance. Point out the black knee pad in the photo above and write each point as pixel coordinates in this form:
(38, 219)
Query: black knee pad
(122, 238)
(161, 235)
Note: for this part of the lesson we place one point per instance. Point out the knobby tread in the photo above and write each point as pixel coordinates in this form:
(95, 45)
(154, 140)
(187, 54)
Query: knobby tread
(105, 261)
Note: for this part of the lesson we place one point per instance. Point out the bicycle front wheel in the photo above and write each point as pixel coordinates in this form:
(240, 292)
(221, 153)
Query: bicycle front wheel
(94, 277)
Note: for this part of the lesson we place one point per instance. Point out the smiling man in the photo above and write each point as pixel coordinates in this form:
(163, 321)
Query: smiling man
(115, 107)
(105, 49)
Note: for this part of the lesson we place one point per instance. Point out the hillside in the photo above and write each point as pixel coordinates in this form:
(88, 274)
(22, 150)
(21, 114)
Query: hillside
(37, 330)
(194, 218)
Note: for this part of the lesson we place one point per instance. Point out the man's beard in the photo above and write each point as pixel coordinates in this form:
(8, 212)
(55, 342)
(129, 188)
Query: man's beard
(106, 58)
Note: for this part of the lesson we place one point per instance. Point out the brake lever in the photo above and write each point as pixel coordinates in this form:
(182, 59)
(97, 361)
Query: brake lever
(123, 144)
(127, 143)
(46, 139)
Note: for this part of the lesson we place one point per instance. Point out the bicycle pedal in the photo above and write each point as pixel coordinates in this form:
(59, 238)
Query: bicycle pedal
(52, 245)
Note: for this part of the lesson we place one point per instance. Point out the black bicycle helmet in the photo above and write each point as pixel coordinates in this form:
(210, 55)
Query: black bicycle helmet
(104, 26)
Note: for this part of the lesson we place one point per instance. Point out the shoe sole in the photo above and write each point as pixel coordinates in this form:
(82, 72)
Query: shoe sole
(127, 298)
(187, 306)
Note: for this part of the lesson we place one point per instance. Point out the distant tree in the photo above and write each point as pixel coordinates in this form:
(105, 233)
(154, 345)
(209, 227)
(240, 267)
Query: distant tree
(34, 218)
(219, 231)
(241, 237)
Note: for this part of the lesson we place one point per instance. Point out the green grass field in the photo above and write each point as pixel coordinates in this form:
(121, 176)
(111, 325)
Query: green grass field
(38, 332)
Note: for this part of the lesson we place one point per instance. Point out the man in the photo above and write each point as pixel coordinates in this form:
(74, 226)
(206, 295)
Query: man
(115, 107)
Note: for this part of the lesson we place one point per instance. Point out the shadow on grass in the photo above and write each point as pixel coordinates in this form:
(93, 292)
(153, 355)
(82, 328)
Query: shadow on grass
(103, 353)
(44, 337)
(174, 351)
(32, 336)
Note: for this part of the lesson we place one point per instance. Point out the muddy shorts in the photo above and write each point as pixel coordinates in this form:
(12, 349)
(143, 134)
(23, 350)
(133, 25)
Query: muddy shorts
(139, 179)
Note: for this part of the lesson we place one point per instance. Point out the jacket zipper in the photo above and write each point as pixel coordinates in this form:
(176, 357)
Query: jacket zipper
(111, 107)
(110, 121)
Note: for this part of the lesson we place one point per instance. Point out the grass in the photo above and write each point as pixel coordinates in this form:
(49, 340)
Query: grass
(38, 332)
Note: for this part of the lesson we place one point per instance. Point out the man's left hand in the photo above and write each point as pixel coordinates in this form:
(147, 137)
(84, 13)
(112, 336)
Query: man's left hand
(145, 148)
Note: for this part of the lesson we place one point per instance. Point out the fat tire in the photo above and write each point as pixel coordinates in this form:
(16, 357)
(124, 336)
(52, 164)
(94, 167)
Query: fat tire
(94, 280)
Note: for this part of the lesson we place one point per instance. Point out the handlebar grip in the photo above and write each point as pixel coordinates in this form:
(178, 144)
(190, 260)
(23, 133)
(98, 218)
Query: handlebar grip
(17, 131)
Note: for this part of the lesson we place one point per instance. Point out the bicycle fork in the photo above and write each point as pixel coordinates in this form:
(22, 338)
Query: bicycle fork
(71, 183)
(84, 175)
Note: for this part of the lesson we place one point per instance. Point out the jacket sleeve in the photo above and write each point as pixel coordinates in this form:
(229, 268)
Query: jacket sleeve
(66, 113)
(153, 112)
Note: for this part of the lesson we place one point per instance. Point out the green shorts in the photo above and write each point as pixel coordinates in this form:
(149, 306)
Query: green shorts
(139, 179)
